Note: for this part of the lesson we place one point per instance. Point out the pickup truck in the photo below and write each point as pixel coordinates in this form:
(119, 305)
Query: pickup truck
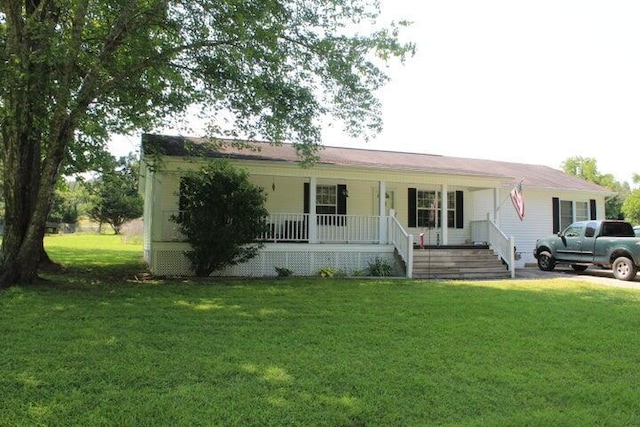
(585, 243)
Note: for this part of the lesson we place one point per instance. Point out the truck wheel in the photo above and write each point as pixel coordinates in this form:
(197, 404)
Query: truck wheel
(579, 267)
(624, 269)
(546, 261)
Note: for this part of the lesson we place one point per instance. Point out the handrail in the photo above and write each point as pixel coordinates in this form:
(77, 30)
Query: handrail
(503, 245)
(402, 241)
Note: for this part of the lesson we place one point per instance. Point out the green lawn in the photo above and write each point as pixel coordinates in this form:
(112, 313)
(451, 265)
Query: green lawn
(92, 346)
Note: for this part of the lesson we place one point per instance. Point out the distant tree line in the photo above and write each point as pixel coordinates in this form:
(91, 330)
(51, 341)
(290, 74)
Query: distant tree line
(625, 204)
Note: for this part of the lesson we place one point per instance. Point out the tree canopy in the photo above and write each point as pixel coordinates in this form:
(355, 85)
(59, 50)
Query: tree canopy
(631, 205)
(72, 71)
(587, 169)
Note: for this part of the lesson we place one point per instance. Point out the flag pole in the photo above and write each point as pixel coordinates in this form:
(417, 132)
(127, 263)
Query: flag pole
(519, 184)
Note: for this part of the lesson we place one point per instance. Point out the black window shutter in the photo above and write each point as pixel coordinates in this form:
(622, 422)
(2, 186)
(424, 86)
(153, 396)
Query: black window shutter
(592, 208)
(342, 200)
(556, 214)
(459, 209)
(307, 192)
(413, 200)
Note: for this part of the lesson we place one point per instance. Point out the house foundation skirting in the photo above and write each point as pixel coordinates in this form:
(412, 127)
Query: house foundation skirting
(303, 259)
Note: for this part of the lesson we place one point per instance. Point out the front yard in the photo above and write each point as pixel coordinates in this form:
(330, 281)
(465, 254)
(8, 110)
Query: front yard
(94, 347)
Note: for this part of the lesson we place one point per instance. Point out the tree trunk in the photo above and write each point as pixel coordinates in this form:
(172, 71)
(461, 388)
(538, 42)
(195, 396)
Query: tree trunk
(40, 123)
(46, 263)
(28, 187)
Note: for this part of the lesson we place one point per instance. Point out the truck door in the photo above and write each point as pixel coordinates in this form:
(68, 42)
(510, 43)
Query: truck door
(589, 242)
(570, 246)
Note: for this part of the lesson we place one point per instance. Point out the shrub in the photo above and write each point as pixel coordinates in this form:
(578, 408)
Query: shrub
(380, 268)
(283, 272)
(330, 272)
(221, 215)
(358, 273)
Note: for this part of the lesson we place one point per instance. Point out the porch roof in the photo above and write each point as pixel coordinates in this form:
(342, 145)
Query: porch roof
(535, 176)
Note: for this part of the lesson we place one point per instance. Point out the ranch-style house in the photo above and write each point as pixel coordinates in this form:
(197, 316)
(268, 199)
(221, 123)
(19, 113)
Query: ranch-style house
(429, 216)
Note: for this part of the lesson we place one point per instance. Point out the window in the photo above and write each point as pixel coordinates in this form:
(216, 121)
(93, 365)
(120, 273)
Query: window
(451, 210)
(569, 216)
(330, 200)
(424, 208)
(582, 211)
(574, 230)
(566, 212)
(326, 199)
(617, 229)
(428, 209)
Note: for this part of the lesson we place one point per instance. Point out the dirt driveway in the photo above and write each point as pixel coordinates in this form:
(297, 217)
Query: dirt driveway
(592, 275)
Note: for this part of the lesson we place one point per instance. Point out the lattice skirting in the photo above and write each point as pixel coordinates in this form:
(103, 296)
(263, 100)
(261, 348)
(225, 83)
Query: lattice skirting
(301, 259)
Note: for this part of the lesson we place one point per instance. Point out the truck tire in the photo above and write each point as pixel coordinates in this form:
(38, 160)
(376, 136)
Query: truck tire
(624, 269)
(579, 267)
(546, 261)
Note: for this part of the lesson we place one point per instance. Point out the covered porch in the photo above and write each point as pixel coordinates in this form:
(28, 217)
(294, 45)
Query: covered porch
(305, 242)
(328, 216)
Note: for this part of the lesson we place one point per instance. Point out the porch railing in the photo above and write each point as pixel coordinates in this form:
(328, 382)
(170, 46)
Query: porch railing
(402, 241)
(286, 227)
(487, 231)
(294, 227)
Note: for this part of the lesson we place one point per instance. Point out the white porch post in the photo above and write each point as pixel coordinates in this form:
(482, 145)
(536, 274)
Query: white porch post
(444, 236)
(496, 206)
(313, 221)
(512, 257)
(390, 232)
(382, 224)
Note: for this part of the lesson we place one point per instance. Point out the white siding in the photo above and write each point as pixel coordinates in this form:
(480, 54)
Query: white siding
(284, 186)
(538, 220)
(482, 204)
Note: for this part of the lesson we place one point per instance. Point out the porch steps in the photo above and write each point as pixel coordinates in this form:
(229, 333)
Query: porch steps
(467, 262)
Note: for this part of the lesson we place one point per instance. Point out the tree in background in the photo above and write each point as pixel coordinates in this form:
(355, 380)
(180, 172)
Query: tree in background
(116, 200)
(69, 202)
(587, 169)
(631, 206)
(221, 215)
(72, 72)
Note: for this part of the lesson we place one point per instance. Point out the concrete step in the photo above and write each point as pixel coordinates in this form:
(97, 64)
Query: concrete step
(458, 263)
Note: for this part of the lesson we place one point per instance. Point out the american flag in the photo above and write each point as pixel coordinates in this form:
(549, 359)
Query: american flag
(518, 200)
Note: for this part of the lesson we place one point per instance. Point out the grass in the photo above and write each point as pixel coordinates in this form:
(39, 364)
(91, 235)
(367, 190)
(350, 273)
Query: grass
(93, 346)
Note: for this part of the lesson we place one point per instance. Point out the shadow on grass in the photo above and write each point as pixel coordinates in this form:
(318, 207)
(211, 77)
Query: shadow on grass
(103, 257)
(310, 351)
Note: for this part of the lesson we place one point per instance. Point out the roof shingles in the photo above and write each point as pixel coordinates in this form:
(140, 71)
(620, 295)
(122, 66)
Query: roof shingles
(536, 176)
